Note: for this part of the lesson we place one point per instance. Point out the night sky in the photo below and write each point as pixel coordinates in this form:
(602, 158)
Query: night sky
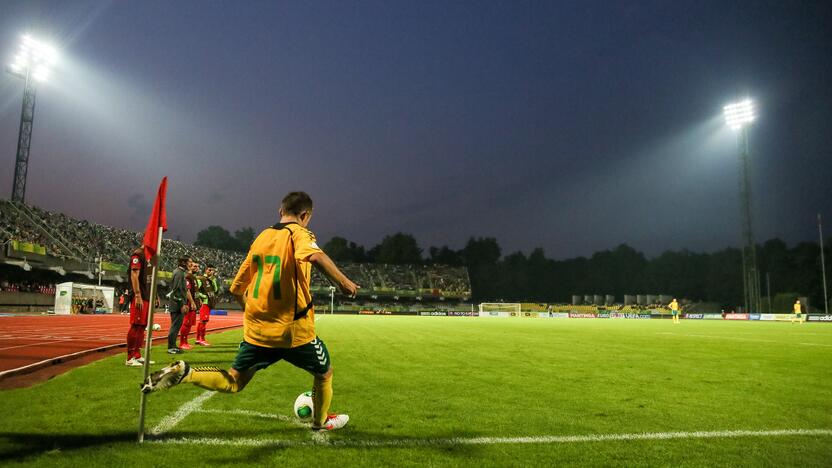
(572, 126)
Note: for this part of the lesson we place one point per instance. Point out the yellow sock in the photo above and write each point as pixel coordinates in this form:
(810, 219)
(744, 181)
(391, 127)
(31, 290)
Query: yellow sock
(321, 398)
(212, 378)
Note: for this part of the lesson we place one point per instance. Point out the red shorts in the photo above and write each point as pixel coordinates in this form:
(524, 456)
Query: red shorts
(204, 313)
(139, 317)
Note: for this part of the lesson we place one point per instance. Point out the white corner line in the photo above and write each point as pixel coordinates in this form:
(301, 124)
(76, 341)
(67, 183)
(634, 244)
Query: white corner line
(170, 421)
(547, 439)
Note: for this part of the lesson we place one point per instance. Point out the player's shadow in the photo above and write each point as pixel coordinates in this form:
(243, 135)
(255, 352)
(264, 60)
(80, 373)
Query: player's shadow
(19, 445)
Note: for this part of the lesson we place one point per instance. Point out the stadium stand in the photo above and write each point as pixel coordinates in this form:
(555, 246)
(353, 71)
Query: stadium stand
(78, 245)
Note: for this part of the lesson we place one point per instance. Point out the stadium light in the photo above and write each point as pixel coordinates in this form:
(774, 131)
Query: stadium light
(739, 114)
(33, 58)
(32, 63)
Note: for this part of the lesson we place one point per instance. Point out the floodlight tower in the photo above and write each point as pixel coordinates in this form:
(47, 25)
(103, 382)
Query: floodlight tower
(32, 64)
(739, 116)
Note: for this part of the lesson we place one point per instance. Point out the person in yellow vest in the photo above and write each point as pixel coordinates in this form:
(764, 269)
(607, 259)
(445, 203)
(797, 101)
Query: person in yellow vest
(674, 309)
(797, 312)
(279, 322)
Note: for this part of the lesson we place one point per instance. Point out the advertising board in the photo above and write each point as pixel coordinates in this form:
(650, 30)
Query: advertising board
(494, 314)
(736, 316)
(618, 315)
(462, 313)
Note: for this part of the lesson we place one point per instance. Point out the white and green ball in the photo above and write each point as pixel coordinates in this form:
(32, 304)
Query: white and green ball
(303, 406)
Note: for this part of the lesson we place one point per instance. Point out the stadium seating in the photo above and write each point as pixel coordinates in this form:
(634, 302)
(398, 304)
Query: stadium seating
(71, 239)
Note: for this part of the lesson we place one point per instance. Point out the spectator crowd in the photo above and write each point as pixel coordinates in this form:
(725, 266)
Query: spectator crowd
(68, 238)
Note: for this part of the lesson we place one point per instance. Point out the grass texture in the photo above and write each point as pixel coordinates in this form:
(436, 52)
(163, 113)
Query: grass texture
(462, 391)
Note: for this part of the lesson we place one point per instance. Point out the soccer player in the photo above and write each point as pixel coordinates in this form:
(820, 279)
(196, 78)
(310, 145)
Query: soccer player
(140, 278)
(124, 299)
(279, 323)
(207, 288)
(674, 309)
(180, 300)
(797, 312)
(190, 317)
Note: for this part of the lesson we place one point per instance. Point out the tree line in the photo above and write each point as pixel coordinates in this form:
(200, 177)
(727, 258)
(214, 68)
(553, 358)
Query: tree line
(516, 277)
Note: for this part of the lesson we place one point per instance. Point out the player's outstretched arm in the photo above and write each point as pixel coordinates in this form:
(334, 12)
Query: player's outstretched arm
(328, 268)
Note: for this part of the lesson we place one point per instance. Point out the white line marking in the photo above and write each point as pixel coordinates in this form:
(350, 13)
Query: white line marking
(39, 343)
(567, 439)
(318, 437)
(256, 414)
(170, 421)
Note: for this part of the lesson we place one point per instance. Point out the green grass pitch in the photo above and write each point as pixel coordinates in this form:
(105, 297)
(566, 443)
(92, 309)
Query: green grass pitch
(435, 391)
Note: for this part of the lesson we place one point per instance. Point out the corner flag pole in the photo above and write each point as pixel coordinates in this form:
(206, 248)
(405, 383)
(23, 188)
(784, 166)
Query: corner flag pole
(149, 340)
(152, 249)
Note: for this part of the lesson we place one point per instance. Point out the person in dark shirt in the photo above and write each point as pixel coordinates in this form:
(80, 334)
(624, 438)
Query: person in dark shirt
(180, 302)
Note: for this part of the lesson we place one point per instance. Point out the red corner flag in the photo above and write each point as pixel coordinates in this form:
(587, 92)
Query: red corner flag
(152, 243)
(158, 219)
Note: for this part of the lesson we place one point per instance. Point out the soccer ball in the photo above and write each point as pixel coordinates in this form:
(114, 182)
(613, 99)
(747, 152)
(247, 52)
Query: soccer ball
(156, 327)
(303, 405)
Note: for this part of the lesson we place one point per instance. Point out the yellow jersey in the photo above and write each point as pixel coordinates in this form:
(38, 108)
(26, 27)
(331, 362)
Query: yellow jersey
(274, 278)
(674, 306)
(796, 308)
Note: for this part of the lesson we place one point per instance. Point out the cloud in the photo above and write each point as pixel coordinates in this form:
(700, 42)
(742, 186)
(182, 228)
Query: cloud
(139, 208)
(218, 194)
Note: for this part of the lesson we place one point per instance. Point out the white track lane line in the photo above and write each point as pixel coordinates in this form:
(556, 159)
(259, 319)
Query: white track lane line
(39, 343)
(554, 439)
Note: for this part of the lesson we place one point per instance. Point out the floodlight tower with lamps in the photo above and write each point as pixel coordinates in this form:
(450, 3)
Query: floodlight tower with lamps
(32, 64)
(739, 117)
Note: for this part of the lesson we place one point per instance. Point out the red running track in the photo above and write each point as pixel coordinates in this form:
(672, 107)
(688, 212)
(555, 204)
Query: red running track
(28, 343)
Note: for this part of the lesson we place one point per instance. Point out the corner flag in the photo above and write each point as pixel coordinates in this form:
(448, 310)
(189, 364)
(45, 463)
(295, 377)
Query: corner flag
(152, 244)
(158, 219)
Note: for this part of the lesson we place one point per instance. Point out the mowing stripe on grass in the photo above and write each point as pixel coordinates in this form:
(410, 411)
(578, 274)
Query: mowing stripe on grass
(170, 421)
(736, 338)
(562, 439)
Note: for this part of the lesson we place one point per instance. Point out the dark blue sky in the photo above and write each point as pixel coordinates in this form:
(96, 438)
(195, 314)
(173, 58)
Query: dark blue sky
(573, 126)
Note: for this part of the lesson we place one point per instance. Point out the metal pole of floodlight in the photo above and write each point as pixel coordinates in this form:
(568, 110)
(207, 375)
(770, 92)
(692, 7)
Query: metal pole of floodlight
(822, 269)
(739, 117)
(32, 64)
